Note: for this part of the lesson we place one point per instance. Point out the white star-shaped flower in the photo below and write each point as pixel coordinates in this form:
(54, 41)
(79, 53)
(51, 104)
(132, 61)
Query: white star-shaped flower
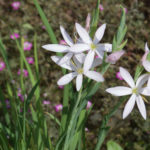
(62, 48)
(76, 66)
(135, 91)
(92, 46)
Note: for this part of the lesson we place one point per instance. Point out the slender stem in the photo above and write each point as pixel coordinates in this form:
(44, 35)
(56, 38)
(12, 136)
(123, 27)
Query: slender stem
(72, 120)
(65, 109)
(104, 128)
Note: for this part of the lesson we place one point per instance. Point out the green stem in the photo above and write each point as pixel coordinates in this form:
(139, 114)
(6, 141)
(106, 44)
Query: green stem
(72, 120)
(104, 128)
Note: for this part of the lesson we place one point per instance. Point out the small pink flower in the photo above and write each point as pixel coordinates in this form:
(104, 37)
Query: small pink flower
(7, 103)
(146, 53)
(46, 102)
(58, 107)
(20, 95)
(118, 76)
(27, 46)
(101, 8)
(63, 42)
(30, 60)
(25, 72)
(112, 58)
(16, 5)
(88, 20)
(89, 104)
(2, 65)
(96, 56)
(86, 129)
(126, 10)
(43, 27)
(61, 86)
(14, 36)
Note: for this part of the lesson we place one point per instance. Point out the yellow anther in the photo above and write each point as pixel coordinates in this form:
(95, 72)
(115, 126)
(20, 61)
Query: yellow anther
(134, 91)
(80, 71)
(93, 47)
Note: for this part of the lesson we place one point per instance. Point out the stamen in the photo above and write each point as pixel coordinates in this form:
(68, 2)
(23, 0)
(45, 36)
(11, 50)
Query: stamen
(80, 71)
(93, 47)
(135, 91)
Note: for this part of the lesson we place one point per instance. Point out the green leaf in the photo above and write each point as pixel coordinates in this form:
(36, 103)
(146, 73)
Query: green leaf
(111, 145)
(139, 70)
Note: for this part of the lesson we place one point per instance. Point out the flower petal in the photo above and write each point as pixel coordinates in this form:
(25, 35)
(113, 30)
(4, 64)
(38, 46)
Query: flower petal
(146, 65)
(99, 33)
(66, 58)
(129, 106)
(97, 62)
(104, 47)
(146, 47)
(79, 80)
(56, 48)
(66, 78)
(80, 57)
(141, 106)
(119, 91)
(88, 61)
(148, 83)
(83, 34)
(141, 80)
(145, 91)
(100, 53)
(94, 75)
(79, 48)
(66, 36)
(127, 77)
(66, 65)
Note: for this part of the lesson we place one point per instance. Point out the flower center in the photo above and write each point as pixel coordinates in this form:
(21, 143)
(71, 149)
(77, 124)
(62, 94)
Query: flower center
(135, 91)
(93, 47)
(80, 71)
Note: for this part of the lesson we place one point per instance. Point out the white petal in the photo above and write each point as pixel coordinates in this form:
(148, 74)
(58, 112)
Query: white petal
(79, 48)
(66, 78)
(146, 47)
(94, 75)
(79, 81)
(119, 91)
(77, 63)
(66, 36)
(141, 80)
(145, 91)
(66, 58)
(83, 34)
(97, 62)
(148, 83)
(88, 60)
(66, 65)
(104, 47)
(100, 53)
(80, 57)
(129, 106)
(127, 77)
(99, 33)
(146, 65)
(56, 48)
(141, 106)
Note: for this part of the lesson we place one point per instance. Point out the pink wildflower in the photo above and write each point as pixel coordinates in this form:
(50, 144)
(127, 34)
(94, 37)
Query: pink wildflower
(7, 103)
(126, 10)
(27, 46)
(112, 58)
(25, 72)
(101, 8)
(86, 129)
(58, 107)
(16, 5)
(30, 60)
(14, 36)
(61, 86)
(2, 65)
(46, 102)
(89, 104)
(118, 76)
(88, 20)
(63, 42)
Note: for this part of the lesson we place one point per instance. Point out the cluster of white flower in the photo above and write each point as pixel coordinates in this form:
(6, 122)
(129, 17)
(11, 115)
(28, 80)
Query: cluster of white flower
(80, 60)
(80, 57)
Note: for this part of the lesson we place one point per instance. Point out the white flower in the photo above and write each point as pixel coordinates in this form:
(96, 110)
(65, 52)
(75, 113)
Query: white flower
(92, 46)
(135, 91)
(76, 66)
(62, 48)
